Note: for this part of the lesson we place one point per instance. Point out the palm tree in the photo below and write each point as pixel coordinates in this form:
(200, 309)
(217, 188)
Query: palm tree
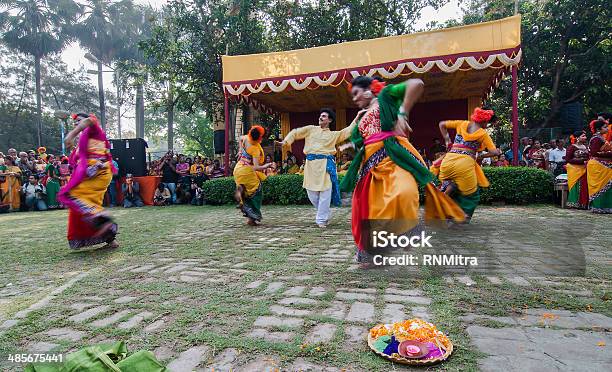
(37, 28)
(100, 31)
(138, 21)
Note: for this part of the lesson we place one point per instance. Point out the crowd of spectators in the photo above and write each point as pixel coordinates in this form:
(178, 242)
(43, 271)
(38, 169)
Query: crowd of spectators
(31, 180)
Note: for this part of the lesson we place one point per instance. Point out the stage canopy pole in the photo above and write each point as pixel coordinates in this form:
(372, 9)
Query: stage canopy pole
(227, 129)
(515, 128)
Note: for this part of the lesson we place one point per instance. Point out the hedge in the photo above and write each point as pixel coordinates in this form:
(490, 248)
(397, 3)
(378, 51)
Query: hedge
(511, 185)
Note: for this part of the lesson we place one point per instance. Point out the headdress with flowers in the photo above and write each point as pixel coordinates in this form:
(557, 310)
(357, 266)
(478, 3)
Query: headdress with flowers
(482, 116)
(261, 131)
(376, 86)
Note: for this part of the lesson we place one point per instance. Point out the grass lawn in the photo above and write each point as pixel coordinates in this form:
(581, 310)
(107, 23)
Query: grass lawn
(283, 295)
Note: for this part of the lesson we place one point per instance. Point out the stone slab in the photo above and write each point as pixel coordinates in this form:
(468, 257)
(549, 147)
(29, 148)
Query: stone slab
(360, 312)
(88, 314)
(189, 359)
(66, 334)
(323, 332)
(275, 321)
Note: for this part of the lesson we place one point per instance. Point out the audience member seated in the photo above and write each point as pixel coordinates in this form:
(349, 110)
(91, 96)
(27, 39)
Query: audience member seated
(290, 167)
(131, 192)
(437, 147)
(34, 194)
(345, 163)
(501, 161)
(292, 157)
(183, 168)
(197, 165)
(208, 167)
(39, 168)
(272, 170)
(162, 196)
(217, 171)
(65, 171)
(183, 194)
(197, 195)
(26, 166)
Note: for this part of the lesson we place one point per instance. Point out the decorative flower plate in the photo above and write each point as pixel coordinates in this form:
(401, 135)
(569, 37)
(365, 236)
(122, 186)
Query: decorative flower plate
(411, 342)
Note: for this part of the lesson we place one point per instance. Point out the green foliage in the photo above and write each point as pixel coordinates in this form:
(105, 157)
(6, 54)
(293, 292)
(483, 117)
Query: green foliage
(512, 185)
(284, 189)
(18, 129)
(566, 57)
(36, 27)
(517, 185)
(62, 89)
(307, 24)
(219, 191)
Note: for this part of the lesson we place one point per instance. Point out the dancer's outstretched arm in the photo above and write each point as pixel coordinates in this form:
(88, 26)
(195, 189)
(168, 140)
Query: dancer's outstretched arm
(345, 133)
(414, 91)
(258, 167)
(295, 134)
(444, 132)
(69, 140)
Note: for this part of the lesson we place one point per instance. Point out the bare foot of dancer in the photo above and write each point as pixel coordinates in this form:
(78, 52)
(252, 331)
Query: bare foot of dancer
(104, 229)
(112, 245)
(239, 194)
(365, 265)
(252, 222)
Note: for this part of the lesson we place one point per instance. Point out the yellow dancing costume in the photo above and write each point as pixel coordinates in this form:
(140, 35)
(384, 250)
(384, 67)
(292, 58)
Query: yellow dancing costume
(599, 175)
(386, 174)
(250, 179)
(459, 166)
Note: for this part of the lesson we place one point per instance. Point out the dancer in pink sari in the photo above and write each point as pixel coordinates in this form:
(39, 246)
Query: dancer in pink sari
(88, 222)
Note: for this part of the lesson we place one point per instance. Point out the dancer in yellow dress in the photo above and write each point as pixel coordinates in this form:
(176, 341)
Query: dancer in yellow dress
(576, 157)
(599, 169)
(248, 174)
(459, 169)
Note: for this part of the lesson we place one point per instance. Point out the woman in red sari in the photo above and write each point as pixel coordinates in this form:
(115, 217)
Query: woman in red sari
(88, 222)
(538, 155)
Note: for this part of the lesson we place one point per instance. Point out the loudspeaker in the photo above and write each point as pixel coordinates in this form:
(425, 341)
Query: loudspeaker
(219, 141)
(131, 156)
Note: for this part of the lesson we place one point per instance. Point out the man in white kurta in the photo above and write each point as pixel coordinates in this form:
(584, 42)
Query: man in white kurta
(320, 149)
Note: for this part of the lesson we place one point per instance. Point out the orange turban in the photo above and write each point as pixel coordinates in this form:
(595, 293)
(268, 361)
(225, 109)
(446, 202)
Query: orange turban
(261, 131)
(482, 116)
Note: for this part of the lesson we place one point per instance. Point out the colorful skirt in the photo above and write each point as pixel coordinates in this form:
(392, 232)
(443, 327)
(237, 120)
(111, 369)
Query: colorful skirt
(599, 178)
(578, 188)
(387, 196)
(10, 187)
(87, 222)
(466, 176)
(245, 176)
(53, 187)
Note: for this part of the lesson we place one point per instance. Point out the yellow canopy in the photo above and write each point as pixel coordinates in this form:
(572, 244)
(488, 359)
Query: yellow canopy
(455, 63)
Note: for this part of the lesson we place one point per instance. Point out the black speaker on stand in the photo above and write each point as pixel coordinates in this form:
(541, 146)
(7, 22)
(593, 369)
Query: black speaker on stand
(131, 156)
(219, 141)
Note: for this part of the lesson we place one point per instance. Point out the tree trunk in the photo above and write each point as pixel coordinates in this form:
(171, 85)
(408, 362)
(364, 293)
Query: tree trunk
(140, 122)
(38, 100)
(101, 95)
(170, 111)
(118, 103)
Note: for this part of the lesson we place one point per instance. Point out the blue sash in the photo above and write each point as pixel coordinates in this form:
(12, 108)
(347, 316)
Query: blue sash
(333, 175)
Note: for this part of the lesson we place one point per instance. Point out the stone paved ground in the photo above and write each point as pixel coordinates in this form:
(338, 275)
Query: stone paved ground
(204, 292)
